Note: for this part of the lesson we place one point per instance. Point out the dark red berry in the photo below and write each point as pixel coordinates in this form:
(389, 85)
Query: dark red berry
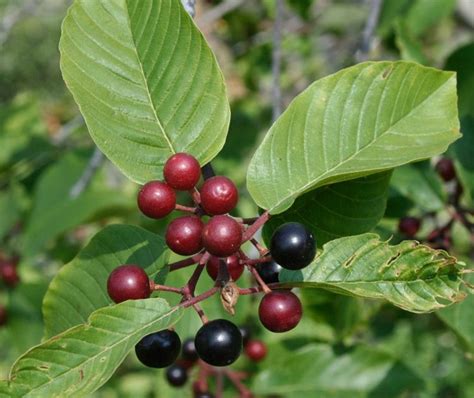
(219, 195)
(446, 170)
(269, 271)
(158, 350)
(9, 273)
(128, 282)
(176, 375)
(409, 226)
(184, 235)
(3, 315)
(256, 350)
(218, 342)
(189, 350)
(182, 171)
(234, 267)
(280, 311)
(156, 199)
(245, 332)
(222, 236)
(293, 246)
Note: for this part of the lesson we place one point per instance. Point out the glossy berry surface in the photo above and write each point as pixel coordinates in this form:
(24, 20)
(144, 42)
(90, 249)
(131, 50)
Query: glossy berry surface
(269, 271)
(234, 267)
(445, 169)
(222, 236)
(280, 311)
(183, 235)
(189, 350)
(293, 246)
(176, 375)
(128, 282)
(218, 342)
(256, 350)
(9, 273)
(409, 226)
(219, 195)
(182, 171)
(158, 350)
(246, 334)
(156, 199)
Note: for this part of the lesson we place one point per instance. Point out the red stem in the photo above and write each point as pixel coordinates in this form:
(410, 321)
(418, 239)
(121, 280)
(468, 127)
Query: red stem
(164, 288)
(185, 208)
(256, 261)
(241, 387)
(186, 262)
(252, 229)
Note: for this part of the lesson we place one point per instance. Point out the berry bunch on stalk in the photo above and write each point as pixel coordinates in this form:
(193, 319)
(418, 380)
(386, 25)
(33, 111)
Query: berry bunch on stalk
(213, 240)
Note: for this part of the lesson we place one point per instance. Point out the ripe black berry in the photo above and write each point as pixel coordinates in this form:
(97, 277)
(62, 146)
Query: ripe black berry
(222, 236)
(245, 332)
(280, 311)
(293, 246)
(9, 273)
(234, 267)
(269, 271)
(158, 350)
(128, 282)
(409, 226)
(218, 342)
(182, 171)
(183, 235)
(189, 350)
(156, 199)
(219, 195)
(446, 170)
(176, 375)
(256, 350)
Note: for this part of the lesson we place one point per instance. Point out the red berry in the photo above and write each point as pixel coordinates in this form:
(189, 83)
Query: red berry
(8, 273)
(446, 170)
(280, 311)
(183, 235)
(409, 226)
(234, 267)
(3, 315)
(256, 350)
(219, 195)
(182, 171)
(128, 282)
(222, 236)
(156, 199)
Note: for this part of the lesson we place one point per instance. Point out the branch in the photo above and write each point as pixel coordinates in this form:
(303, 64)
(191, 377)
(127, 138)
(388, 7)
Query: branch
(95, 162)
(10, 19)
(218, 11)
(362, 53)
(276, 60)
(67, 129)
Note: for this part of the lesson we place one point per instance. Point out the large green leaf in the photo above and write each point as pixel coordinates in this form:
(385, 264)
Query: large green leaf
(342, 209)
(368, 118)
(409, 275)
(146, 82)
(83, 358)
(80, 287)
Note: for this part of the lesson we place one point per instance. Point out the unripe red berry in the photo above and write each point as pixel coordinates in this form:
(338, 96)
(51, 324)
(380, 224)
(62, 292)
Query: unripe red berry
(255, 350)
(182, 171)
(219, 195)
(222, 236)
(184, 235)
(156, 199)
(9, 273)
(280, 311)
(234, 267)
(128, 282)
(446, 170)
(409, 226)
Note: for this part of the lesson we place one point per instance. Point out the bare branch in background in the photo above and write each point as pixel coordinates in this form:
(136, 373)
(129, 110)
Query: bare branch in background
(190, 6)
(95, 162)
(67, 129)
(362, 53)
(14, 14)
(276, 59)
(218, 11)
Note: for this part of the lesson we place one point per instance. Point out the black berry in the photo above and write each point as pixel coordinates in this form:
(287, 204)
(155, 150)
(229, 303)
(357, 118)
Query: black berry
(156, 199)
(159, 350)
(218, 342)
(280, 311)
(182, 171)
(176, 375)
(293, 246)
(183, 235)
(409, 226)
(128, 282)
(222, 236)
(245, 332)
(189, 350)
(234, 267)
(269, 271)
(446, 170)
(219, 195)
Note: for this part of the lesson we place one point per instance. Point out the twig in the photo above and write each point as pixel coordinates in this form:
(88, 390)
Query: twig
(186, 262)
(11, 18)
(164, 288)
(218, 11)
(243, 390)
(95, 162)
(252, 229)
(362, 53)
(276, 60)
(67, 129)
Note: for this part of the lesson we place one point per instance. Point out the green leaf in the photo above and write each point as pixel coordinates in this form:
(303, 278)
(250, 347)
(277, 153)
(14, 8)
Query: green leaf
(427, 13)
(409, 275)
(421, 184)
(410, 47)
(83, 358)
(80, 287)
(11, 206)
(317, 370)
(342, 209)
(146, 82)
(368, 118)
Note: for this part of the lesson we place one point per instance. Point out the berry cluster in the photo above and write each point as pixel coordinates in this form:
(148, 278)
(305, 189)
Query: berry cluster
(214, 241)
